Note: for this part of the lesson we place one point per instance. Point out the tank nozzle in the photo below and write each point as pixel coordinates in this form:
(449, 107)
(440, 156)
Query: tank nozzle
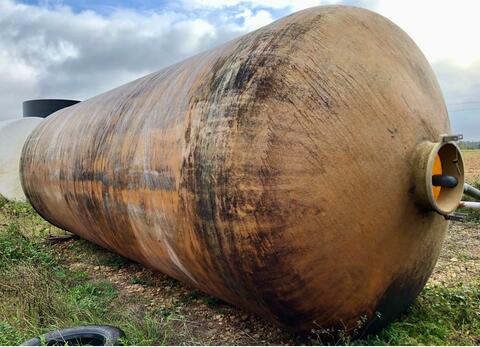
(439, 175)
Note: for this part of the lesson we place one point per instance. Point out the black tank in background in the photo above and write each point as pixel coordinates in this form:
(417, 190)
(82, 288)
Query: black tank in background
(45, 107)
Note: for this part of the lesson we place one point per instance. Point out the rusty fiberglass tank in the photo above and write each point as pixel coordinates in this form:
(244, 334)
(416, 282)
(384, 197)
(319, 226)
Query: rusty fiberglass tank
(286, 172)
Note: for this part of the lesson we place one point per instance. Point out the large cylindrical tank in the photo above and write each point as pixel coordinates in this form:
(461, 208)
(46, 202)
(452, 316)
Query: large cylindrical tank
(13, 134)
(275, 172)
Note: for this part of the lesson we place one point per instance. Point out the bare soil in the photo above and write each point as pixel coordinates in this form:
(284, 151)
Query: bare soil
(208, 321)
(472, 165)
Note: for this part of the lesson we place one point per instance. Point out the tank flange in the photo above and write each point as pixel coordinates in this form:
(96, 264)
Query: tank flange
(434, 159)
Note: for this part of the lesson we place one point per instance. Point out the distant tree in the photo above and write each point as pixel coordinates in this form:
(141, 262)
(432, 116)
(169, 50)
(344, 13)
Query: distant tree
(469, 144)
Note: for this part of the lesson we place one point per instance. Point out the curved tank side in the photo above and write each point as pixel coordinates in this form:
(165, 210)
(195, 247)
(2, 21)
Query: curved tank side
(274, 172)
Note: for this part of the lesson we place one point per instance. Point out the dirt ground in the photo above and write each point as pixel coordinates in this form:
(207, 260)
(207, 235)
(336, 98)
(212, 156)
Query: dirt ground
(209, 321)
(472, 164)
(199, 319)
(460, 257)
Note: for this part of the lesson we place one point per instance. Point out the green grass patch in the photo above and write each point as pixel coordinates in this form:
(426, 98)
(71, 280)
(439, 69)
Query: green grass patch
(96, 254)
(39, 294)
(212, 302)
(472, 215)
(440, 316)
(18, 249)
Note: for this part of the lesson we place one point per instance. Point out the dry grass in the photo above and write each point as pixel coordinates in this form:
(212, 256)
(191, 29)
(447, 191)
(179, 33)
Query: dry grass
(472, 164)
(45, 286)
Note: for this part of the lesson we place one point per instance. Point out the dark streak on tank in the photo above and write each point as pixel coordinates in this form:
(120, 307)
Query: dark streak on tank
(399, 295)
(232, 170)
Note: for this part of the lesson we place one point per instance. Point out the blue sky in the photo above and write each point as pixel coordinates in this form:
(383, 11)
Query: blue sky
(77, 49)
(107, 5)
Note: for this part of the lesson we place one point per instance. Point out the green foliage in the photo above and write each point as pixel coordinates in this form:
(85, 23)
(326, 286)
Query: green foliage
(441, 315)
(94, 297)
(27, 220)
(38, 294)
(9, 334)
(472, 215)
(212, 302)
(3, 202)
(138, 280)
(16, 248)
(96, 254)
(469, 144)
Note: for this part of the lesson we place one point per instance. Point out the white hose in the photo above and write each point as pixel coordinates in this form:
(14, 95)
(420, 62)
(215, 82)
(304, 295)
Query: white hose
(470, 204)
(471, 191)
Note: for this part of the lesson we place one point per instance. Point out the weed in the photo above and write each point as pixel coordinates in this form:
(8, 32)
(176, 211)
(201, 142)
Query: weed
(114, 260)
(8, 333)
(440, 315)
(16, 248)
(465, 257)
(212, 302)
(472, 215)
(3, 202)
(138, 280)
(171, 282)
(190, 297)
(39, 294)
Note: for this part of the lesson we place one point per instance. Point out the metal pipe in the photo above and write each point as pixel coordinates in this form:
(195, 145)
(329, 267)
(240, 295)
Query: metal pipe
(446, 181)
(470, 204)
(471, 191)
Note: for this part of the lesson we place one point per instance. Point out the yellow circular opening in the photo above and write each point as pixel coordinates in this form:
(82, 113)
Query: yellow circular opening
(436, 170)
(451, 163)
(438, 158)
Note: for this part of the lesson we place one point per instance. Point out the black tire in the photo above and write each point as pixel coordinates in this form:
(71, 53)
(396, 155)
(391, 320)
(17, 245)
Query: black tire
(92, 335)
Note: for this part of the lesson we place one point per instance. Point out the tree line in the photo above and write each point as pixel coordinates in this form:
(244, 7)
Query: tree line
(469, 144)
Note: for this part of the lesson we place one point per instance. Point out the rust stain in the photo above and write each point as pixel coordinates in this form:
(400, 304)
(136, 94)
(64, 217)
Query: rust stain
(260, 171)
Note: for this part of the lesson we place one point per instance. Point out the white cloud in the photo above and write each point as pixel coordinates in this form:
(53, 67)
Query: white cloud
(444, 30)
(251, 3)
(447, 33)
(56, 52)
(17, 79)
(252, 21)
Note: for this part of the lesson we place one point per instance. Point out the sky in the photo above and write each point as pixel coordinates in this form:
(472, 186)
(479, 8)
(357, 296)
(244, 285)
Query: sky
(78, 49)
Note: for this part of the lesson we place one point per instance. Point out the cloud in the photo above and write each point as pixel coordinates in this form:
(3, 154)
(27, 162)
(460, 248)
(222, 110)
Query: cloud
(58, 53)
(275, 4)
(461, 88)
(447, 33)
(53, 50)
(444, 30)
(253, 21)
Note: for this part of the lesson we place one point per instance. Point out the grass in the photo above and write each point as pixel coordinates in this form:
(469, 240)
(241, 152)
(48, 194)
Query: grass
(40, 294)
(440, 316)
(472, 215)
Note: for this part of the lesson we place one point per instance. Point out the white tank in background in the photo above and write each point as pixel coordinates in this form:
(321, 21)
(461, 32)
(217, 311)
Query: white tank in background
(13, 134)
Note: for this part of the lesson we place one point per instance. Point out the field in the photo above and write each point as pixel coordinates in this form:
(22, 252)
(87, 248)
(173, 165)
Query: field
(46, 285)
(472, 164)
